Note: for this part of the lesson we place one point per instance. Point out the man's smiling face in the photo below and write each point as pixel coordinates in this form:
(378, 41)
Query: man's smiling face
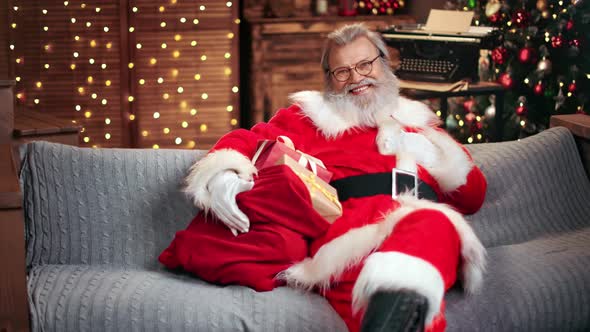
(350, 55)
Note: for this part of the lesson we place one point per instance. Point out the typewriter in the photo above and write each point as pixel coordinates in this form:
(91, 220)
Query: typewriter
(443, 56)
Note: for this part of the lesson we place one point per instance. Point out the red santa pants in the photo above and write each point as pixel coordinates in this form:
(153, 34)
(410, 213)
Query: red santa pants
(425, 234)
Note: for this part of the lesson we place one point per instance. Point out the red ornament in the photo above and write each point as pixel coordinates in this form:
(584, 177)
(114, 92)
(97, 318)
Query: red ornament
(557, 41)
(520, 18)
(468, 105)
(526, 54)
(572, 87)
(505, 80)
(479, 125)
(575, 42)
(521, 110)
(569, 25)
(470, 117)
(495, 18)
(499, 55)
(538, 89)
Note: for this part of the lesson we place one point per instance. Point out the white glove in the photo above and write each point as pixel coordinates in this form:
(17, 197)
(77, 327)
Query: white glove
(423, 150)
(224, 187)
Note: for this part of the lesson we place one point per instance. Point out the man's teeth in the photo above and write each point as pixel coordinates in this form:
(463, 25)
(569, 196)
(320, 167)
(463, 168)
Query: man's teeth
(360, 88)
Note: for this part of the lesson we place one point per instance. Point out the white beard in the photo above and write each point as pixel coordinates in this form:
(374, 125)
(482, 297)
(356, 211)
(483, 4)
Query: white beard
(365, 110)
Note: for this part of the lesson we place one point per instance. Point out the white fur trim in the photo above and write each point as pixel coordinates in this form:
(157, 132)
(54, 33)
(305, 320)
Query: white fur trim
(389, 136)
(329, 122)
(205, 169)
(350, 248)
(453, 164)
(397, 271)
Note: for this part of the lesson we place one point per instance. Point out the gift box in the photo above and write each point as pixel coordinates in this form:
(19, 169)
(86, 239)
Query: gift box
(269, 152)
(324, 197)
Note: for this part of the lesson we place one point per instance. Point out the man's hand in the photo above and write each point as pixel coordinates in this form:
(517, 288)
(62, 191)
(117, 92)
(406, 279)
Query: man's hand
(425, 152)
(224, 187)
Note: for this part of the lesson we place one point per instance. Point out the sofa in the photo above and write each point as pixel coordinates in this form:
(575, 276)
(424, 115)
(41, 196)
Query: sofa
(95, 221)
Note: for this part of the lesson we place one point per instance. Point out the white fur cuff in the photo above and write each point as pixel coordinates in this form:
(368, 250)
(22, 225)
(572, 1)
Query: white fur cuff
(453, 165)
(395, 271)
(205, 169)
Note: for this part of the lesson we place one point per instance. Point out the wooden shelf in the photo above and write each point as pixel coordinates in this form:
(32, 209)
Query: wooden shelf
(34, 125)
(331, 18)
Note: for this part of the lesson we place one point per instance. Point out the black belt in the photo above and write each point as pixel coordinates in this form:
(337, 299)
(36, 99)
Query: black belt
(379, 183)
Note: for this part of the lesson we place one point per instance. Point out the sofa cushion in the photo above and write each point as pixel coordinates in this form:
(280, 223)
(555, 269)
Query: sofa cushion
(536, 186)
(539, 285)
(107, 298)
(102, 206)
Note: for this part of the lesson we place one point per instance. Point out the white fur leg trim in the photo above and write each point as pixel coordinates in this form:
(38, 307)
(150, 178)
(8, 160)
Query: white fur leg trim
(473, 253)
(205, 169)
(336, 256)
(396, 271)
(454, 165)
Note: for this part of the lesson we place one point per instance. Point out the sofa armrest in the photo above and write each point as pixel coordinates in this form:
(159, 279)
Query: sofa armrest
(579, 125)
(14, 312)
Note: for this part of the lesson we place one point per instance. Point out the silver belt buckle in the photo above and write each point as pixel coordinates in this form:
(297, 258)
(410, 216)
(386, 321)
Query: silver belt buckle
(396, 174)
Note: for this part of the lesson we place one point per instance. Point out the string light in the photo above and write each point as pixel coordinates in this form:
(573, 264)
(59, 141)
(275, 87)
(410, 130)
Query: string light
(89, 85)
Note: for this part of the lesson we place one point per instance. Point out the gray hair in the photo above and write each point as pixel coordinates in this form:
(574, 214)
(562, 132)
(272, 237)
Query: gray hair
(348, 34)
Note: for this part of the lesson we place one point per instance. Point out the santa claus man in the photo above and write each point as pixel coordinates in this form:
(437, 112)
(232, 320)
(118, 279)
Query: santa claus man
(403, 183)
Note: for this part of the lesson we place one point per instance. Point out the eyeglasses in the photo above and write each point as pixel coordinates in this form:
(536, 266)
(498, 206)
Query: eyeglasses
(342, 74)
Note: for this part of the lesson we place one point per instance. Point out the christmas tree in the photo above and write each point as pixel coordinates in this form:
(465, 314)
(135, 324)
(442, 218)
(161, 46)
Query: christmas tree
(543, 60)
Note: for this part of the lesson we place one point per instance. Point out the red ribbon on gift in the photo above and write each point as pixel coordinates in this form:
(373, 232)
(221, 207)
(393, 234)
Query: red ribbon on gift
(269, 152)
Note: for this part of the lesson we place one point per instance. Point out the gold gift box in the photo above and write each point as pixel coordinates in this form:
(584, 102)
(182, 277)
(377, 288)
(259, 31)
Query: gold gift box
(324, 197)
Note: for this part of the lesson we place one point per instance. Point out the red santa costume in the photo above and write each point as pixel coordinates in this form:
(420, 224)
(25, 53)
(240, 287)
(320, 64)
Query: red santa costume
(379, 243)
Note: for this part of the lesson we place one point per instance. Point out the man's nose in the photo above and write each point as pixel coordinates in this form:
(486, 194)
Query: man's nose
(355, 77)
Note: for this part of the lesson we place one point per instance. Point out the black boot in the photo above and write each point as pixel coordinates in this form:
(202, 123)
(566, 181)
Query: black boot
(393, 311)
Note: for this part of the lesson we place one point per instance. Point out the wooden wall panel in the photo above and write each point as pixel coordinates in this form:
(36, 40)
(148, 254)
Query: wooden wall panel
(4, 44)
(189, 72)
(83, 62)
(60, 52)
